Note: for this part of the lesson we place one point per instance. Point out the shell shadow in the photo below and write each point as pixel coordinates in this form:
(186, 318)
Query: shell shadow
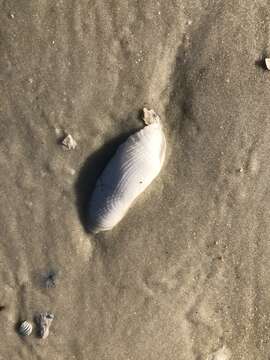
(90, 172)
(260, 62)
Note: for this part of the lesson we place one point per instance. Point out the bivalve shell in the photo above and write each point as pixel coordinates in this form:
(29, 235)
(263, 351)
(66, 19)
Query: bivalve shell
(134, 166)
(25, 328)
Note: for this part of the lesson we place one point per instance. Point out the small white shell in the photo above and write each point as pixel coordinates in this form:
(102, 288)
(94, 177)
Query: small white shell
(69, 143)
(44, 321)
(25, 328)
(134, 166)
(267, 63)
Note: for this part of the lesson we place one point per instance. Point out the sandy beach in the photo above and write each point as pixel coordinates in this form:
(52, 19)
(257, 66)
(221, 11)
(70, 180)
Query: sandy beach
(184, 276)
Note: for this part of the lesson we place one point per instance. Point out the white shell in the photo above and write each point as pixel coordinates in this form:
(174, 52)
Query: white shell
(267, 63)
(69, 143)
(134, 166)
(25, 328)
(44, 321)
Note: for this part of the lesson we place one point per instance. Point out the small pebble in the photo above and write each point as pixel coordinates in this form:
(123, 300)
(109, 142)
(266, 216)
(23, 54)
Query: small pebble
(267, 63)
(69, 143)
(72, 171)
(11, 15)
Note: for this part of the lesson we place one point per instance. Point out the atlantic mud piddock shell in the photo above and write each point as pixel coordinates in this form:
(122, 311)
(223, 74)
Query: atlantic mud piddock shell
(134, 166)
(25, 328)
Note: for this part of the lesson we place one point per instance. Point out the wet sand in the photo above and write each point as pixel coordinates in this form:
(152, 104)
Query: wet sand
(185, 275)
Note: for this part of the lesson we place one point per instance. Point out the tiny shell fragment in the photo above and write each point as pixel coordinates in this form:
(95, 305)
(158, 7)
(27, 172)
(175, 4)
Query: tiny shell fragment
(69, 143)
(44, 321)
(267, 63)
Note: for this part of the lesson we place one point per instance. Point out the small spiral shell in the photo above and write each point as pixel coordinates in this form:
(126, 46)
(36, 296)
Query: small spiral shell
(25, 328)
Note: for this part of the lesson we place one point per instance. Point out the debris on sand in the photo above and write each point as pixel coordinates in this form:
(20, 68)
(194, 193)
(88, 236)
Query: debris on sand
(50, 279)
(267, 63)
(25, 329)
(69, 143)
(44, 321)
(241, 169)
